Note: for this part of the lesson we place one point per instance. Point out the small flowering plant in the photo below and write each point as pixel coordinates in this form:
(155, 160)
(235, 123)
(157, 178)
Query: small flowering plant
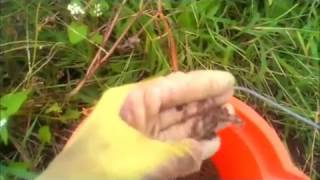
(79, 9)
(99, 8)
(95, 8)
(76, 8)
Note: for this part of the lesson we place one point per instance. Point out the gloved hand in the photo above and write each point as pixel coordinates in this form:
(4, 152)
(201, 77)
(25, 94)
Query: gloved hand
(144, 130)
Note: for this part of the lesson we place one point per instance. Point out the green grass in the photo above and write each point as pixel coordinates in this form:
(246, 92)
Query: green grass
(272, 47)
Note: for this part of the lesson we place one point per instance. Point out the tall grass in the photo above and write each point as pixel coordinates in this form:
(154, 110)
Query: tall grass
(270, 46)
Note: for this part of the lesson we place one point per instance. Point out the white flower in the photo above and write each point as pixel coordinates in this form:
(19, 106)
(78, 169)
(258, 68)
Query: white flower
(75, 9)
(97, 10)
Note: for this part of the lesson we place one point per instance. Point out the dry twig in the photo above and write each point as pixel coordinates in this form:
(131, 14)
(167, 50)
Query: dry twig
(171, 42)
(97, 60)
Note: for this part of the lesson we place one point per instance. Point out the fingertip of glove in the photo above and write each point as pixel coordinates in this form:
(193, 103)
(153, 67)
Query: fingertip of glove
(221, 80)
(210, 147)
(225, 77)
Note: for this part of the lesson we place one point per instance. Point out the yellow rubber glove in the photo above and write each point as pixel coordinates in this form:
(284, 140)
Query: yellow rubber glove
(139, 131)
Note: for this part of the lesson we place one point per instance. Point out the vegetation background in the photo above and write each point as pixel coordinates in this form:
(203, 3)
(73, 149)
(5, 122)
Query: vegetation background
(47, 48)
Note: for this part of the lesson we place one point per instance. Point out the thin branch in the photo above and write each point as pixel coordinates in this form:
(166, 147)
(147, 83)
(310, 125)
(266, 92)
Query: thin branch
(106, 37)
(97, 61)
(171, 42)
(97, 58)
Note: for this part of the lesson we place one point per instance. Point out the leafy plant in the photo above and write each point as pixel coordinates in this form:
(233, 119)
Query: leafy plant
(45, 134)
(10, 104)
(270, 46)
(77, 32)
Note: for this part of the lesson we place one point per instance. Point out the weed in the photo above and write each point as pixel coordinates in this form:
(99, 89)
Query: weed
(47, 46)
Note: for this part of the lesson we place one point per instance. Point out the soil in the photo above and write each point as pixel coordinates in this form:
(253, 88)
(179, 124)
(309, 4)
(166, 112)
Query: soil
(207, 172)
(209, 116)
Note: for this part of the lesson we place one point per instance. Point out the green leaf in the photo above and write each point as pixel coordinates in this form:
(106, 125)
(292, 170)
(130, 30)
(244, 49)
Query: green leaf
(167, 4)
(54, 108)
(11, 103)
(228, 56)
(77, 32)
(121, 26)
(70, 115)
(54, 35)
(117, 67)
(97, 38)
(44, 134)
(208, 8)
(187, 21)
(277, 8)
(4, 135)
(104, 5)
(260, 76)
(18, 172)
(20, 165)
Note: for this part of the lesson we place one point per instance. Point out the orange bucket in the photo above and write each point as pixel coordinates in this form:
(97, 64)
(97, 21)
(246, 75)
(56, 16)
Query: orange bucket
(253, 151)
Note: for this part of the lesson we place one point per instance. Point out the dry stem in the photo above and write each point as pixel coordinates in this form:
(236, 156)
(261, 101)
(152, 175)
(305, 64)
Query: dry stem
(171, 42)
(98, 61)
